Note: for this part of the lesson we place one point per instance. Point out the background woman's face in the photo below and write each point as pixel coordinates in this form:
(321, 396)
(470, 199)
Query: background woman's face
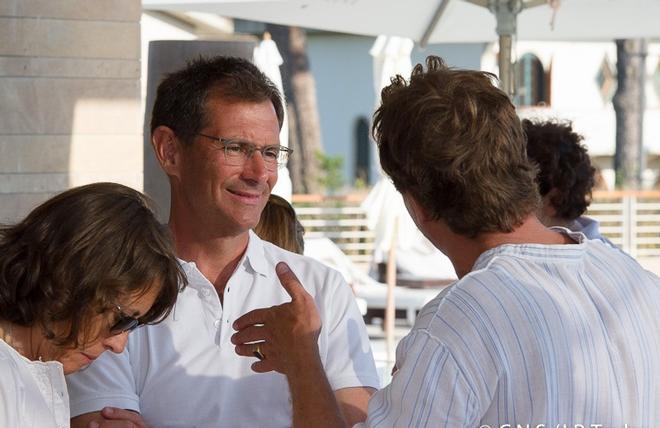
(79, 358)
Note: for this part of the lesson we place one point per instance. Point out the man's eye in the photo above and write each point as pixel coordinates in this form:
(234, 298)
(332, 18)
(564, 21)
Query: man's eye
(234, 148)
(271, 153)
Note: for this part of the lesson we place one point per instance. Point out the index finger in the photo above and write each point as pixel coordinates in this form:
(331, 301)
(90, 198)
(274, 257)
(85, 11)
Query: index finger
(256, 316)
(290, 281)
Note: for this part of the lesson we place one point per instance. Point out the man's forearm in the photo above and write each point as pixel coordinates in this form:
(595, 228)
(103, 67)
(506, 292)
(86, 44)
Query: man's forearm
(314, 403)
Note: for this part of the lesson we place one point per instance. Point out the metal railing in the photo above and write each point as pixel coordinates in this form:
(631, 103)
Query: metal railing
(630, 219)
(340, 219)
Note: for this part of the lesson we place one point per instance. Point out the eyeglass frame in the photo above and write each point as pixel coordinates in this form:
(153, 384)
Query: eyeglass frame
(252, 148)
(125, 323)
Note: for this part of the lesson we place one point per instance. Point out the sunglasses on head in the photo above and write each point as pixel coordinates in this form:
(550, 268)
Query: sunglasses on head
(125, 323)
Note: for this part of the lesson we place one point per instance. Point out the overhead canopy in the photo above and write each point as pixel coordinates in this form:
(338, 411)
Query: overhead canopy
(459, 21)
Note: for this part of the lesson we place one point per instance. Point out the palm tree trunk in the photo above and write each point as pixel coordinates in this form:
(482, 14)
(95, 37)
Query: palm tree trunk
(300, 94)
(629, 105)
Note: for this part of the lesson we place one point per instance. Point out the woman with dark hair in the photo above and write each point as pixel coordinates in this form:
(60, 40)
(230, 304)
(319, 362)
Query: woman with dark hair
(76, 275)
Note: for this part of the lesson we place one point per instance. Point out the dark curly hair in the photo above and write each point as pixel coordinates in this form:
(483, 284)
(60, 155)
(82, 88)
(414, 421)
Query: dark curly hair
(73, 258)
(181, 97)
(564, 166)
(453, 141)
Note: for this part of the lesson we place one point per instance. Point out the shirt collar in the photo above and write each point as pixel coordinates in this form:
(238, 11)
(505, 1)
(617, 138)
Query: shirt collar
(254, 257)
(539, 251)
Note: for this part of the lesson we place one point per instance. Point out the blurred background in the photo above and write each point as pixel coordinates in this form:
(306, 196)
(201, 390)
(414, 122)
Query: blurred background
(78, 77)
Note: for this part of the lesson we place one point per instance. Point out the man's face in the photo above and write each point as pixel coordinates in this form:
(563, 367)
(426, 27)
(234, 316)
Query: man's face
(228, 199)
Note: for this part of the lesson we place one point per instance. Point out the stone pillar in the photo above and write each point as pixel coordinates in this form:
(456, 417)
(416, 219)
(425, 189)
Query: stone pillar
(70, 111)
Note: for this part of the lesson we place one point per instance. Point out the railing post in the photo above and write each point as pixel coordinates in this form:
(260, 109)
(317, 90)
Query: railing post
(629, 224)
(625, 223)
(632, 219)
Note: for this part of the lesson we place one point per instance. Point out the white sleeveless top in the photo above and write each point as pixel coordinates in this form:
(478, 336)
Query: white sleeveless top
(32, 393)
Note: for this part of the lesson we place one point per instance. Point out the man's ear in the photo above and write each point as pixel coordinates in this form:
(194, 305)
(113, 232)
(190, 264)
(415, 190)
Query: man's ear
(167, 149)
(419, 214)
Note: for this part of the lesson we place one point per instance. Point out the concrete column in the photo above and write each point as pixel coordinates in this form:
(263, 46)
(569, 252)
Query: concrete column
(70, 89)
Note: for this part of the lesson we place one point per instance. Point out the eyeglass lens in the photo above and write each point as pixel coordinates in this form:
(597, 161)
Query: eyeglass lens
(239, 152)
(125, 323)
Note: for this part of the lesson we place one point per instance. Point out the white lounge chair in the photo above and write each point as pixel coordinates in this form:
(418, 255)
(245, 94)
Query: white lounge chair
(416, 257)
(374, 293)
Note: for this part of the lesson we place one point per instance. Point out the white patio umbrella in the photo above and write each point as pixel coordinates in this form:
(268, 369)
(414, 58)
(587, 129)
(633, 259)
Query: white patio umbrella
(267, 57)
(416, 256)
(391, 57)
(437, 21)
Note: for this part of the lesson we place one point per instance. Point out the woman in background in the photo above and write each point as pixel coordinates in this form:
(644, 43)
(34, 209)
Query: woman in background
(76, 275)
(279, 225)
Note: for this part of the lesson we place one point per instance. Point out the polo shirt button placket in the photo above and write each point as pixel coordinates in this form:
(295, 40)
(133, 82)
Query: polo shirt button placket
(225, 316)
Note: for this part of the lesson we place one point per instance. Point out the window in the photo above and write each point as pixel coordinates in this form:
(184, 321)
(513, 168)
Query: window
(606, 80)
(530, 79)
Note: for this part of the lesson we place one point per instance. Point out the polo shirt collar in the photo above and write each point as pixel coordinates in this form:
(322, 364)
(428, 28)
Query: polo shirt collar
(255, 255)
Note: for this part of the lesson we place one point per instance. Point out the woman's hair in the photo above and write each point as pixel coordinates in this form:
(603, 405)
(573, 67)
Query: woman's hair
(76, 255)
(280, 226)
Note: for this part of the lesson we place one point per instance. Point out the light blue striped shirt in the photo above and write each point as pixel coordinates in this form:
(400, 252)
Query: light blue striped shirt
(535, 335)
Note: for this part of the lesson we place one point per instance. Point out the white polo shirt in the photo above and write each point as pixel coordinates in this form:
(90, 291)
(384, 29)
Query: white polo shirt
(32, 393)
(184, 372)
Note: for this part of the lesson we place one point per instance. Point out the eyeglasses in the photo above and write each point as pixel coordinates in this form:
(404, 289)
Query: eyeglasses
(238, 152)
(124, 323)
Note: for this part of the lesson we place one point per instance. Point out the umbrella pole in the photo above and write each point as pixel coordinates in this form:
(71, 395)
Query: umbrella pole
(389, 304)
(504, 62)
(506, 13)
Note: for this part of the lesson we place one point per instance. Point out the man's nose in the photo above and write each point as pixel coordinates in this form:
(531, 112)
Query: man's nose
(255, 167)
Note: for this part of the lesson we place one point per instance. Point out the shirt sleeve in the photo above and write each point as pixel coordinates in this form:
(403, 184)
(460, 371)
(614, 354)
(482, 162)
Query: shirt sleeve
(108, 381)
(348, 359)
(428, 389)
(12, 395)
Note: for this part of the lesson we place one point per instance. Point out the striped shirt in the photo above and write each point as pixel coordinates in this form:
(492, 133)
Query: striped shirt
(590, 228)
(534, 336)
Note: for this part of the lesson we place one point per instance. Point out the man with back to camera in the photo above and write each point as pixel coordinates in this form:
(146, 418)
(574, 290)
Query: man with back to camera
(215, 131)
(565, 177)
(543, 327)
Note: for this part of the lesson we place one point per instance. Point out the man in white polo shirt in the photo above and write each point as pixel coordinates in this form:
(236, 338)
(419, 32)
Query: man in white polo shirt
(215, 131)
